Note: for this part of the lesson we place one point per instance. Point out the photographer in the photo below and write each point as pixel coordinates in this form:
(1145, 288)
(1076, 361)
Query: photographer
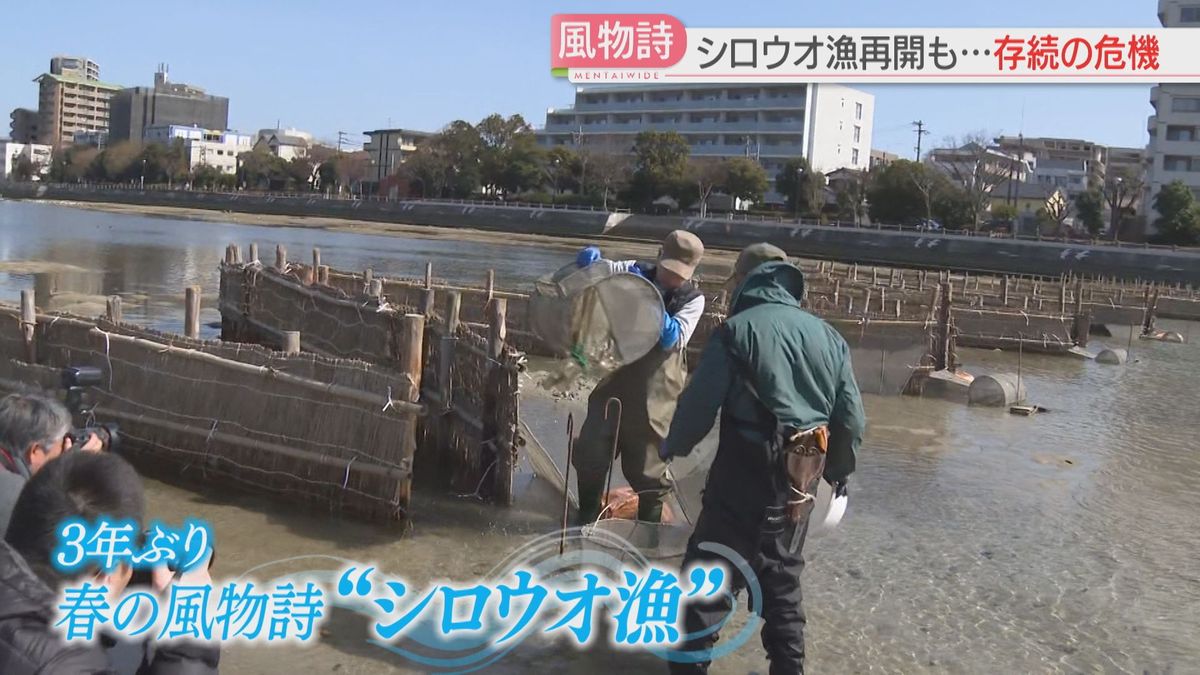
(86, 486)
(34, 429)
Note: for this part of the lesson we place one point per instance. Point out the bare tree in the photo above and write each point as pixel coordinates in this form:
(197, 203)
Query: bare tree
(977, 169)
(1122, 188)
(706, 174)
(610, 170)
(1058, 208)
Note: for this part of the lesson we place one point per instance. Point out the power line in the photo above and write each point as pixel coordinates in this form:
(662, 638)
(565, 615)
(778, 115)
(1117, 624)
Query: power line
(921, 131)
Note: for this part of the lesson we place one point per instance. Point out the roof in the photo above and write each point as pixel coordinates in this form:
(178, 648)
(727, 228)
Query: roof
(1024, 190)
(282, 139)
(79, 80)
(402, 132)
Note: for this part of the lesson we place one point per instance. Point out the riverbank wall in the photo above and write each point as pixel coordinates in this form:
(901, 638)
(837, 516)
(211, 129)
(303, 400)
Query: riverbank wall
(850, 244)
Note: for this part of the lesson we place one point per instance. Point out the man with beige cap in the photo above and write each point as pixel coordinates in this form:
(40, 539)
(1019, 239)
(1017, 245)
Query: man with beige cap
(647, 388)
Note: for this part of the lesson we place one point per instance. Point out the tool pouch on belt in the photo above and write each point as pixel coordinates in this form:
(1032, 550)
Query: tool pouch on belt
(801, 456)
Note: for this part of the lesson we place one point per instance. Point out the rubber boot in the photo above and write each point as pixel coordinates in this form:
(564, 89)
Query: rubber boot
(590, 500)
(650, 508)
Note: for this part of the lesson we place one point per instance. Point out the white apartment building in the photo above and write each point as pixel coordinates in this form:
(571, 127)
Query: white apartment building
(204, 147)
(11, 154)
(830, 125)
(1173, 152)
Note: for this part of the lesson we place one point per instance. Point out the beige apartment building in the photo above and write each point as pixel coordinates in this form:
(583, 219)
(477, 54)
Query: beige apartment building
(71, 99)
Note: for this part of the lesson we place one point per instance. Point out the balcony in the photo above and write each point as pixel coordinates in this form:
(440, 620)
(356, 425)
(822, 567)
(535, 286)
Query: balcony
(1161, 146)
(681, 127)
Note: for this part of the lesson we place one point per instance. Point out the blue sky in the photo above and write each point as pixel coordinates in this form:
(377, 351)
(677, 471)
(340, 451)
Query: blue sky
(330, 66)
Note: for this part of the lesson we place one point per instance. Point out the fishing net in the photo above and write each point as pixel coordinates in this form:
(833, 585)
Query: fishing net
(596, 320)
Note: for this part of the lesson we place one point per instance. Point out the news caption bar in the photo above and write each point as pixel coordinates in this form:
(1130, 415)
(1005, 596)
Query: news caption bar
(633, 48)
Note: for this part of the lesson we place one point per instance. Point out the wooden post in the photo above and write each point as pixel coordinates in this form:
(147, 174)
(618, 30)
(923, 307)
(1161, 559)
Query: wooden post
(237, 253)
(323, 275)
(427, 301)
(191, 312)
(429, 275)
(409, 342)
(316, 265)
(854, 272)
(497, 330)
(491, 285)
(1151, 310)
(850, 304)
(376, 289)
(1078, 296)
(280, 258)
(943, 360)
(368, 279)
(897, 309)
(29, 324)
(874, 275)
(837, 289)
(253, 252)
(867, 303)
(1081, 328)
(1062, 297)
(921, 280)
(892, 279)
(883, 301)
(291, 342)
(113, 309)
(446, 354)
(228, 254)
(1004, 290)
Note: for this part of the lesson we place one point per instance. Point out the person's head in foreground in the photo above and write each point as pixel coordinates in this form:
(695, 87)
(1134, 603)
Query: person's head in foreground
(678, 257)
(751, 257)
(81, 485)
(33, 431)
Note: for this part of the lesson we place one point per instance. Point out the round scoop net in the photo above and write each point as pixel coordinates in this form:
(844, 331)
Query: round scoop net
(599, 320)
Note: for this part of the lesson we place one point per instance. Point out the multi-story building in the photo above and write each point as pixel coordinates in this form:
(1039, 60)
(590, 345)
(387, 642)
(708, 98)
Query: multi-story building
(1072, 176)
(166, 103)
(204, 147)
(881, 158)
(1131, 160)
(1060, 152)
(95, 139)
(12, 153)
(830, 125)
(23, 125)
(387, 149)
(71, 98)
(75, 66)
(1173, 153)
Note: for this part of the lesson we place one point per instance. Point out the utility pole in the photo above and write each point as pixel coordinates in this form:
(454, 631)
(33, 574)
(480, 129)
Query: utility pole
(921, 131)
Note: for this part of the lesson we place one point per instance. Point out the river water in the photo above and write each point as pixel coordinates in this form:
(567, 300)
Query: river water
(976, 541)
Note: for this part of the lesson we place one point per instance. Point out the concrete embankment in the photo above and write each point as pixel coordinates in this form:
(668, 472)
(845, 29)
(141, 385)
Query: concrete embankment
(888, 247)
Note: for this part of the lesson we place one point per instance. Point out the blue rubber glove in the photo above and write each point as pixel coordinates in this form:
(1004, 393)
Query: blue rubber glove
(670, 333)
(663, 453)
(637, 269)
(587, 256)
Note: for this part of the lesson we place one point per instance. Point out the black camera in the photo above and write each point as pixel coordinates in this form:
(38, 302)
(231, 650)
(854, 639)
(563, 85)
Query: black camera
(76, 380)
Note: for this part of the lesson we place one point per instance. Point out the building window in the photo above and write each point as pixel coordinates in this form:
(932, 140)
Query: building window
(1181, 133)
(858, 110)
(1177, 163)
(1185, 104)
(857, 134)
(854, 157)
(1189, 14)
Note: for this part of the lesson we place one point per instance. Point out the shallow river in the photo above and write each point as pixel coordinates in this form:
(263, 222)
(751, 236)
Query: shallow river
(976, 541)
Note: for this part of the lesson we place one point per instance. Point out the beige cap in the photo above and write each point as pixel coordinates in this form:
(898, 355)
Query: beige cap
(680, 253)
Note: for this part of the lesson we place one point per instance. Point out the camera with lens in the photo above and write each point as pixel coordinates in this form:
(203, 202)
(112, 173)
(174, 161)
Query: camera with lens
(76, 380)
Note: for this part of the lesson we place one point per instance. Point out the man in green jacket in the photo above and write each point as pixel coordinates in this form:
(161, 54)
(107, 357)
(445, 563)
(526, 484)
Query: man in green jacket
(770, 367)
